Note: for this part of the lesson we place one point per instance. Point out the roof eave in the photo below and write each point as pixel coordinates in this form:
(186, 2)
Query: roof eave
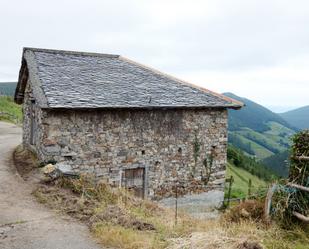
(22, 82)
(29, 70)
(139, 107)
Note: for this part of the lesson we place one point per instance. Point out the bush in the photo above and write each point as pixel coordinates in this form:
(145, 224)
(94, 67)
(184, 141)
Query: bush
(247, 210)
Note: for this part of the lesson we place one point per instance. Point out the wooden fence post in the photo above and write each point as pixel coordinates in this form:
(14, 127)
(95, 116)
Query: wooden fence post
(176, 203)
(231, 180)
(249, 188)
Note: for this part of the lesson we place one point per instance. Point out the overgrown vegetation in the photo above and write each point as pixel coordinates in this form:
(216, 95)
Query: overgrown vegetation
(239, 159)
(291, 201)
(299, 170)
(9, 111)
(248, 218)
(119, 220)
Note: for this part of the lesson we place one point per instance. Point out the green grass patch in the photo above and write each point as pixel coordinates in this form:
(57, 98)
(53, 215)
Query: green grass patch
(9, 111)
(241, 181)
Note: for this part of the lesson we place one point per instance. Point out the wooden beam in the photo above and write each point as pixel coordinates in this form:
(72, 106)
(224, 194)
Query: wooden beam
(302, 158)
(268, 200)
(301, 217)
(293, 185)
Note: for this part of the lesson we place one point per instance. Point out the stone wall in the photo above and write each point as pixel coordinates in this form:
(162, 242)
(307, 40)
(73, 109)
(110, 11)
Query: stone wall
(170, 144)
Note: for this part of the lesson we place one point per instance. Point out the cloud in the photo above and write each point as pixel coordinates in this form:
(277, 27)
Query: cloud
(241, 46)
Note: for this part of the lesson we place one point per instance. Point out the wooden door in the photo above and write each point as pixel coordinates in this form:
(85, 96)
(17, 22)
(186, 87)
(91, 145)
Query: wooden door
(134, 180)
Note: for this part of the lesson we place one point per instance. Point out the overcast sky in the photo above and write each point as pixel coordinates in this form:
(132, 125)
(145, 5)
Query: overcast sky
(255, 49)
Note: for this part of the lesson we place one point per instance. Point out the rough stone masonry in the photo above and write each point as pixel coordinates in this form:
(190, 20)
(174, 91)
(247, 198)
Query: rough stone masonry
(182, 144)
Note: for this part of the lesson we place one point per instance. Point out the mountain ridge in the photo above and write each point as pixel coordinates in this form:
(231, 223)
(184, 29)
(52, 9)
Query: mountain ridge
(261, 134)
(298, 117)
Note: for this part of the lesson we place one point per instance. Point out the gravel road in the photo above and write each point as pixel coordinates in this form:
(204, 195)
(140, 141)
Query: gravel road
(24, 223)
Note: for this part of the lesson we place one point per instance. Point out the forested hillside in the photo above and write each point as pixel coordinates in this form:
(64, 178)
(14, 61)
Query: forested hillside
(258, 131)
(253, 116)
(279, 163)
(298, 117)
(238, 158)
(7, 88)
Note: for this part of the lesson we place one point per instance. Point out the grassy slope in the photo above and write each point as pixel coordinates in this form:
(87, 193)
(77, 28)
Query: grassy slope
(12, 111)
(241, 179)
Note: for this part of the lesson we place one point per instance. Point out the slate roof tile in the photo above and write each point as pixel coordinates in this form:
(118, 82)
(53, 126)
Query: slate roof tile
(87, 80)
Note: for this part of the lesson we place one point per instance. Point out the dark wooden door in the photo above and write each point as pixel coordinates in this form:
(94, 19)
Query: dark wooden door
(134, 180)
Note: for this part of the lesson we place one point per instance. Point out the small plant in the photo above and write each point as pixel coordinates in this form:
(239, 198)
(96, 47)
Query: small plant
(208, 166)
(196, 152)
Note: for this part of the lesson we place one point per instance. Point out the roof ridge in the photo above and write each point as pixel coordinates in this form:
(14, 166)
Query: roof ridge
(69, 52)
(218, 95)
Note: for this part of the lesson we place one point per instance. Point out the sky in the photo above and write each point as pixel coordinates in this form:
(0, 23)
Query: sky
(258, 49)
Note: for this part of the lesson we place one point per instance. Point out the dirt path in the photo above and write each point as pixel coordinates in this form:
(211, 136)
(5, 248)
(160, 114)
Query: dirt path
(25, 224)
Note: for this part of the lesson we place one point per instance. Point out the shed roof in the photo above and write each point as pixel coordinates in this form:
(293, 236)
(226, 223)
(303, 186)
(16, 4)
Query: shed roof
(66, 79)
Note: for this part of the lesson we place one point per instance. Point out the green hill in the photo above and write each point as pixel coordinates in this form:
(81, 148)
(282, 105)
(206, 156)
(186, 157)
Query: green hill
(253, 116)
(258, 131)
(243, 169)
(7, 88)
(241, 182)
(298, 117)
(9, 111)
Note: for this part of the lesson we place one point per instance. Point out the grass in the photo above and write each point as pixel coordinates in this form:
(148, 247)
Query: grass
(9, 111)
(112, 215)
(241, 180)
(126, 238)
(117, 218)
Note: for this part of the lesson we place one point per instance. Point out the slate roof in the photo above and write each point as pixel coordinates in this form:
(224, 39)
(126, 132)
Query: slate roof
(65, 79)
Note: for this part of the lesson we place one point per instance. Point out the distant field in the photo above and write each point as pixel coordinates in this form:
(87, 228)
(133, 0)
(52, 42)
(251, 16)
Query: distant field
(241, 180)
(249, 146)
(262, 144)
(7, 88)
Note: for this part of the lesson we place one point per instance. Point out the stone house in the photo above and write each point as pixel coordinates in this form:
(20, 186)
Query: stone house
(128, 124)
